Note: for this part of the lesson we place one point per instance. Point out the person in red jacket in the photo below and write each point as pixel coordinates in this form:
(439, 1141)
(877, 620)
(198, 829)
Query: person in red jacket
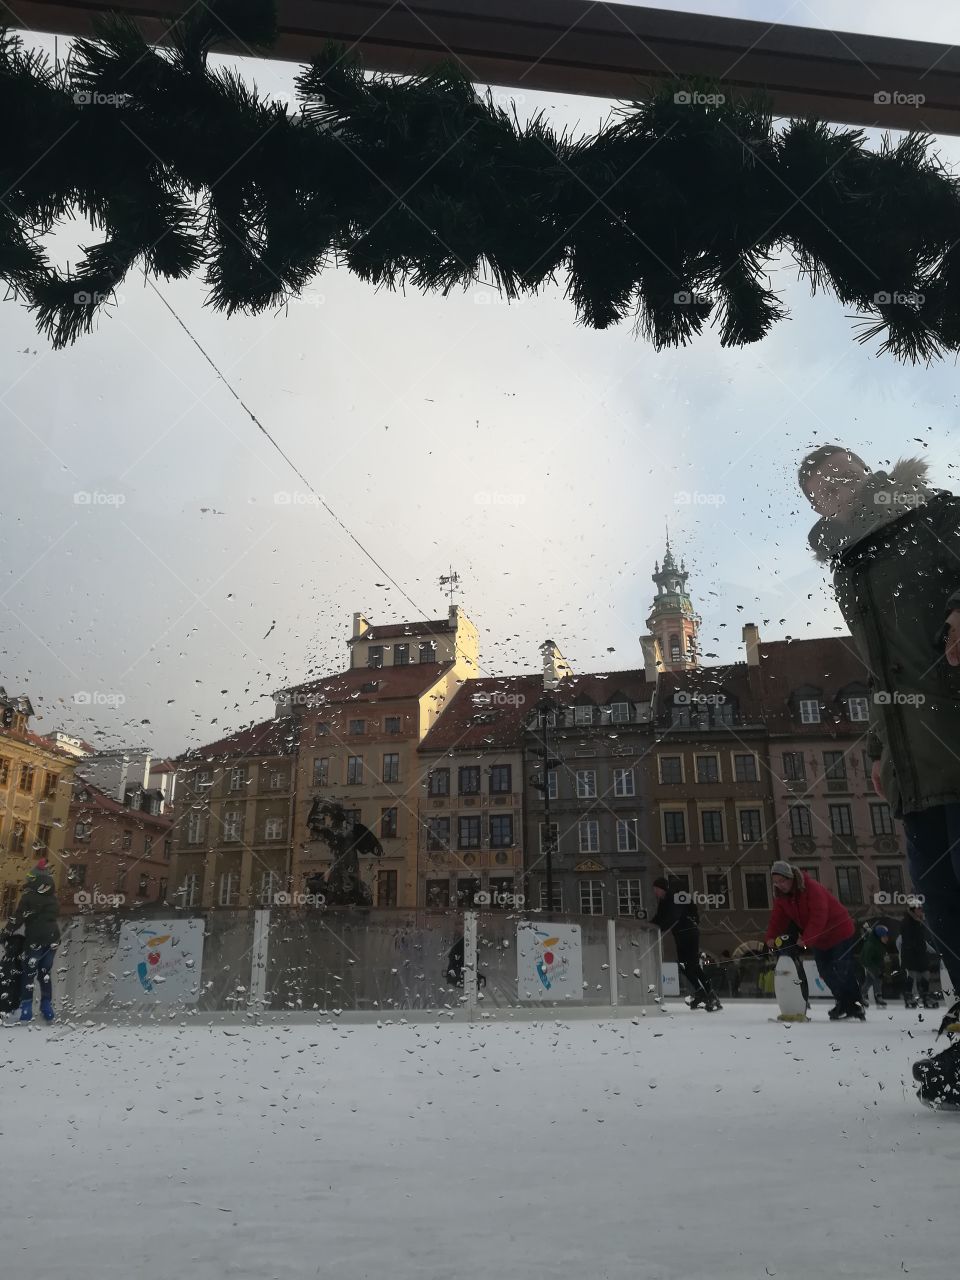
(826, 927)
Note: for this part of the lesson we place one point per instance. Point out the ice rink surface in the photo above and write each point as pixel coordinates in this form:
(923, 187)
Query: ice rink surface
(679, 1146)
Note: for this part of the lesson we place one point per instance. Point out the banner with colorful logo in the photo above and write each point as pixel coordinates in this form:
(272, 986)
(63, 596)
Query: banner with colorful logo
(159, 961)
(549, 961)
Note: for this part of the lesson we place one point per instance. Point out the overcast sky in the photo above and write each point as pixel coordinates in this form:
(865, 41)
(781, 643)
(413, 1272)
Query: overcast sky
(539, 459)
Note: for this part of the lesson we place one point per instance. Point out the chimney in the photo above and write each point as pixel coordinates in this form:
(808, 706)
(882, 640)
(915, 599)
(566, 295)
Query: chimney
(751, 640)
(360, 625)
(555, 666)
(652, 658)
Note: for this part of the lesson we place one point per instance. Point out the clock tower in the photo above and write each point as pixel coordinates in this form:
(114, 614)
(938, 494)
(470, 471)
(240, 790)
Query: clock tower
(672, 622)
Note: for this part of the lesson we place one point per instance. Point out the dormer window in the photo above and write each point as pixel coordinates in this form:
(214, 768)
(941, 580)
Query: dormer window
(809, 710)
(583, 715)
(858, 709)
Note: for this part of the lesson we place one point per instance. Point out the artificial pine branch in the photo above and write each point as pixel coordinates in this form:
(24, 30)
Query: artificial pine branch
(670, 216)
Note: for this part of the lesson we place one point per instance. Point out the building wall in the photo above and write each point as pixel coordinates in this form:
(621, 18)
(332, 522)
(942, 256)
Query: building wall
(454, 875)
(109, 853)
(234, 830)
(33, 810)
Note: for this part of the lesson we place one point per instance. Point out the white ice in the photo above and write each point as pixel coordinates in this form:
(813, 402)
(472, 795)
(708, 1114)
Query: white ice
(687, 1146)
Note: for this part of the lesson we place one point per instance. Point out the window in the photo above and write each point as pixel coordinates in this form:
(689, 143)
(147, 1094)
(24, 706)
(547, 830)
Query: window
(428, 651)
(549, 837)
(812, 872)
(467, 889)
(849, 887)
(274, 828)
(78, 875)
(858, 708)
(439, 782)
(321, 771)
(401, 655)
(276, 780)
(438, 833)
(671, 768)
(711, 824)
(354, 771)
(501, 887)
(50, 781)
(196, 827)
(357, 727)
(203, 778)
(350, 818)
(627, 838)
(83, 829)
(391, 767)
(501, 830)
(801, 823)
(438, 895)
(391, 724)
(583, 715)
(229, 889)
(586, 784)
(42, 842)
(18, 835)
(469, 780)
(745, 767)
(624, 783)
(386, 888)
(167, 849)
(501, 779)
(591, 897)
(751, 827)
(841, 820)
(718, 888)
(557, 896)
(148, 846)
(674, 826)
(375, 655)
(126, 840)
(232, 826)
(756, 890)
(834, 766)
(190, 891)
(629, 900)
(121, 886)
(388, 821)
(553, 784)
(620, 712)
(468, 832)
(238, 778)
(674, 648)
(890, 880)
(589, 830)
(881, 820)
(323, 729)
(269, 887)
(708, 768)
(4, 771)
(809, 711)
(793, 766)
(161, 890)
(27, 772)
(143, 886)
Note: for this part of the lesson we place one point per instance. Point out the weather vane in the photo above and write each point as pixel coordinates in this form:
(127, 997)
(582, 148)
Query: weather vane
(450, 582)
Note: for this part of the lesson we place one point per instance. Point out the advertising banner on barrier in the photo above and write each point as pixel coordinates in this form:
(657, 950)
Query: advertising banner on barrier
(159, 960)
(549, 961)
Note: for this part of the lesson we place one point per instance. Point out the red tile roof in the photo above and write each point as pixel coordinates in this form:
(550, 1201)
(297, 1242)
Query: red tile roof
(485, 713)
(37, 740)
(100, 802)
(828, 665)
(348, 686)
(601, 688)
(398, 630)
(732, 680)
(268, 738)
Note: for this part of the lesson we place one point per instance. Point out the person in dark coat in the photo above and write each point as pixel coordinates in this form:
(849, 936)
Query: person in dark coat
(893, 544)
(677, 914)
(873, 957)
(826, 927)
(37, 913)
(914, 957)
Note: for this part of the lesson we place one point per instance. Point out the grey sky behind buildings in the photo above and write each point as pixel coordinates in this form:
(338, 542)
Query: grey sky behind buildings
(541, 460)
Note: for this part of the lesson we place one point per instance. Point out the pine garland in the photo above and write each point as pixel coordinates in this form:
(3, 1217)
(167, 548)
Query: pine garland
(671, 215)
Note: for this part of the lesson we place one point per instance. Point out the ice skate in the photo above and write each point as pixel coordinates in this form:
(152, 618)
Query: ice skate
(950, 1026)
(713, 1003)
(939, 1079)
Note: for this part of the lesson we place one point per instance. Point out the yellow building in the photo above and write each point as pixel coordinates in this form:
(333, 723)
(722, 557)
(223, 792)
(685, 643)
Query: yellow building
(36, 785)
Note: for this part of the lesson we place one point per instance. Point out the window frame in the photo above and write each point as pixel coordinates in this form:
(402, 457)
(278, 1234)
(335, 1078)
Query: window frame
(628, 835)
(594, 897)
(391, 772)
(677, 812)
(506, 821)
(738, 759)
(587, 827)
(622, 775)
(803, 704)
(673, 782)
(711, 757)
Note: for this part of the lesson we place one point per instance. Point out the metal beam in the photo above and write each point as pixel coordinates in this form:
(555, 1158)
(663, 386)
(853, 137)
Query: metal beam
(607, 50)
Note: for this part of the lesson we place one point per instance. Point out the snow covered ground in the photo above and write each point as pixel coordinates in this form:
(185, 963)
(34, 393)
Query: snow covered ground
(682, 1147)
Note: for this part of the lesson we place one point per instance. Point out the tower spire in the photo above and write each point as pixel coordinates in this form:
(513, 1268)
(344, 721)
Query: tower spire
(672, 622)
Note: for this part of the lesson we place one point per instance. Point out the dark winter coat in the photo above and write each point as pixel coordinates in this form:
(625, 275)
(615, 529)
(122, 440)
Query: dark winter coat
(914, 954)
(824, 922)
(873, 953)
(896, 575)
(680, 918)
(37, 911)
